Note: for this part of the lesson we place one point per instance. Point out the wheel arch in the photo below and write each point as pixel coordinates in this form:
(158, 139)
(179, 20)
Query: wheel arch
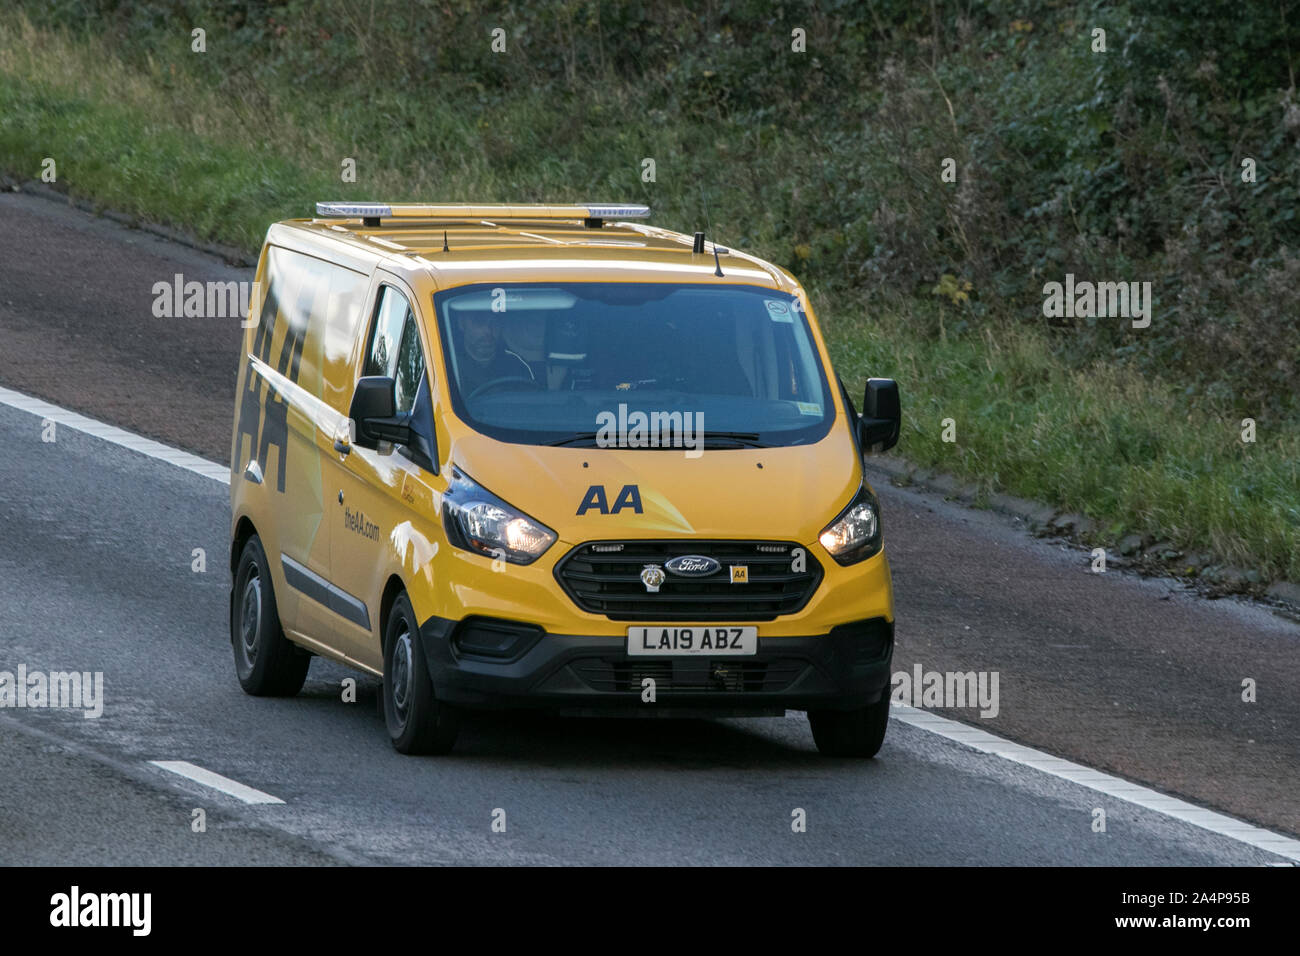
(244, 529)
(392, 588)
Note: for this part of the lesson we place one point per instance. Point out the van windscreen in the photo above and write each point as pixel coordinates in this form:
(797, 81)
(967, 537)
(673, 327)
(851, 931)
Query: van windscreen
(640, 365)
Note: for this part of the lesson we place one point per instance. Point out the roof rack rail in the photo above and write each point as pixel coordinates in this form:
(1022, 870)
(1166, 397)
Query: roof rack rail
(592, 214)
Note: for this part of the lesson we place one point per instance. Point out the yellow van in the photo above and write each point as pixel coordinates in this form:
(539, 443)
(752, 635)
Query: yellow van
(546, 456)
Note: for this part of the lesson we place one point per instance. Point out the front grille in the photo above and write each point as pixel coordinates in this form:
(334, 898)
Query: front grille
(604, 577)
(688, 676)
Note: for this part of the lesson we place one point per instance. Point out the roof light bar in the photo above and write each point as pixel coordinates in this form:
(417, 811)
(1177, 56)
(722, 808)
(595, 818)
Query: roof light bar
(618, 211)
(348, 210)
(375, 210)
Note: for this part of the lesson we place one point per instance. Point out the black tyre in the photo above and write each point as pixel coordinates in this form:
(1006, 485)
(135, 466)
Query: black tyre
(851, 733)
(418, 723)
(268, 664)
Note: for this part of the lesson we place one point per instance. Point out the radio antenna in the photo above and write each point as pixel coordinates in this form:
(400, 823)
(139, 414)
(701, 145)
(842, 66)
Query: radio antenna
(717, 265)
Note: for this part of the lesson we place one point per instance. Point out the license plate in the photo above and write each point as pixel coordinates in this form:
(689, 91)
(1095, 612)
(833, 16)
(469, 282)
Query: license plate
(694, 639)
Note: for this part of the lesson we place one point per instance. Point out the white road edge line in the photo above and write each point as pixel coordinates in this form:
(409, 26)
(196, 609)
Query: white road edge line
(207, 778)
(1116, 787)
(117, 436)
(973, 737)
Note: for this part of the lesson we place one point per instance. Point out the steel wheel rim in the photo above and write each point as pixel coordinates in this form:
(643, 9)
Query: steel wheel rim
(250, 618)
(403, 673)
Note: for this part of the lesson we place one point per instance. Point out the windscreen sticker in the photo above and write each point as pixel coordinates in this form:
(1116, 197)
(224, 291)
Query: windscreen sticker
(809, 408)
(778, 311)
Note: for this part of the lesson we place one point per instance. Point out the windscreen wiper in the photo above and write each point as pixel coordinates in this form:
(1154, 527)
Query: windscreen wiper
(742, 439)
(746, 439)
(574, 439)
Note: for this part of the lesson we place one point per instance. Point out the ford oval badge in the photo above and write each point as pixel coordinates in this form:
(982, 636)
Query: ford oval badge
(692, 566)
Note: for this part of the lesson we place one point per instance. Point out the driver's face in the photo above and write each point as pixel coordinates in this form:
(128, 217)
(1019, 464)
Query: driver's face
(479, 335)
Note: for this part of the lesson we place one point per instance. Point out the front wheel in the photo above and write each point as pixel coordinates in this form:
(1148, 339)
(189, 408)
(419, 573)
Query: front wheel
(267, 663)
(851, 733)
(418, 723)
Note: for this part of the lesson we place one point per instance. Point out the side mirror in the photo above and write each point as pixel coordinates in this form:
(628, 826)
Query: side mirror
(373, 410)
(881, 417)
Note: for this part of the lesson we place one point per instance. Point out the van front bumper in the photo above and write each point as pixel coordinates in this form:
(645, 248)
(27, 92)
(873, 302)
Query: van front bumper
(844, 669)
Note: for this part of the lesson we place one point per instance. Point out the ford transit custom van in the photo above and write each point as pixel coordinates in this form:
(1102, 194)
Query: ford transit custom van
(548, 456)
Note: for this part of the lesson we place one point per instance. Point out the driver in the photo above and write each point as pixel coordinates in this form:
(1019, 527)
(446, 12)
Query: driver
(481, 355)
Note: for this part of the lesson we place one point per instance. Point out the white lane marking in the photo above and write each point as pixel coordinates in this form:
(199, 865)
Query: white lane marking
(227, 786)
(952, 730)
(118, 436)
(1082, 776)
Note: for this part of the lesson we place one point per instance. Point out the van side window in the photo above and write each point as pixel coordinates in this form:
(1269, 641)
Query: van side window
(410, 366)
(386, 335)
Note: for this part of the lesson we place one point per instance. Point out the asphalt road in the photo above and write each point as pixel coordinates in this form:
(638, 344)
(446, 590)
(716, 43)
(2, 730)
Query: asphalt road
(1130, 676)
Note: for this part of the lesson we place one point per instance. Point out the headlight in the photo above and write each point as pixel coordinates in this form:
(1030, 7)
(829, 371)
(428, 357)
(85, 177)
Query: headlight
(477, 520)
(855, 535)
